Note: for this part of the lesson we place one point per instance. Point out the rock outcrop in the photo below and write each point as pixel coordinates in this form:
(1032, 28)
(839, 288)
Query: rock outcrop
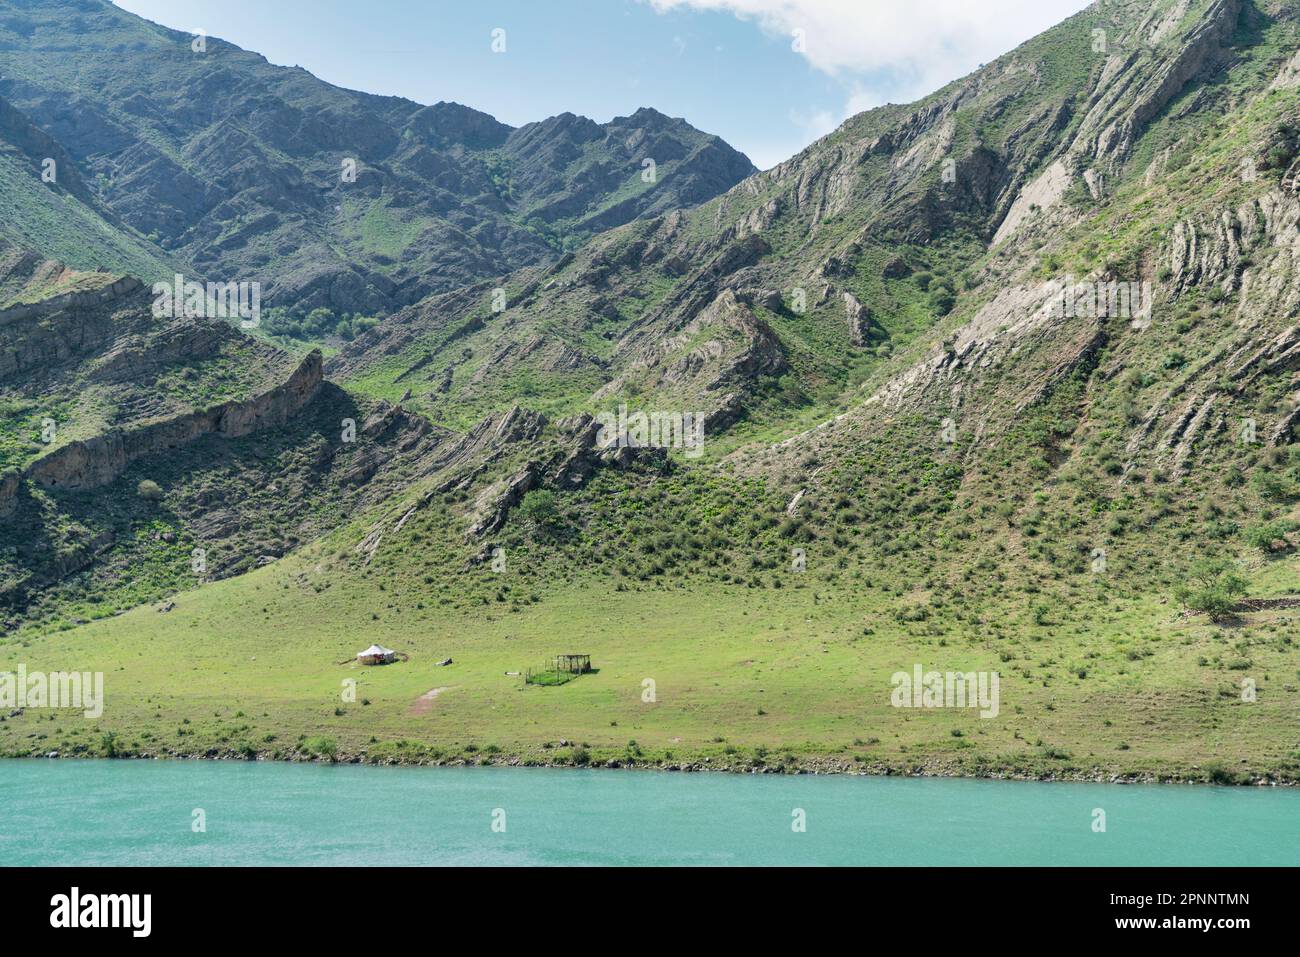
(112, 289)
(859, 317)
(91, 463)
(1150, 65)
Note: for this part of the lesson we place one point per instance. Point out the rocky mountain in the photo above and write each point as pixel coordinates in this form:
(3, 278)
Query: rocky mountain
(125, 436)
(246, 171)
(903, 277)
(901, 286)
(1007, 377)
(823, 265)
(570, 172)
(46, 205)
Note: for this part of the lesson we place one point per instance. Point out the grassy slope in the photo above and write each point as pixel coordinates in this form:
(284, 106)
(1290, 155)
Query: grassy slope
(36, 217)
(925, 564)
(745, 676)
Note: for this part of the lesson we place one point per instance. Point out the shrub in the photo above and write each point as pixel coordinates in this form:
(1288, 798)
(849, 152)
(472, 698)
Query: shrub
(1263, 536)
(942, 300)
(321, 746)
(1217, 773)
(1272, 486)
(1215, 602)
(539, 508)
(149, 490)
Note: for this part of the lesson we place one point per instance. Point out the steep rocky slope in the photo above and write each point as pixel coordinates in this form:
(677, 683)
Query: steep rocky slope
(899, 284)
(571, 173)
(332, 199)
(1002, 380)
(76, 364)
(46, 205)
(128, 442)
(825, 264)
(1192, 209)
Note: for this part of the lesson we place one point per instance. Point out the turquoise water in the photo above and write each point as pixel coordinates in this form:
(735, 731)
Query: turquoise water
(140, 813)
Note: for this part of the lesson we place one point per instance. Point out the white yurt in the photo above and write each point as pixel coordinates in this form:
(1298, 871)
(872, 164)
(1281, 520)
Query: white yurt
(376, 655)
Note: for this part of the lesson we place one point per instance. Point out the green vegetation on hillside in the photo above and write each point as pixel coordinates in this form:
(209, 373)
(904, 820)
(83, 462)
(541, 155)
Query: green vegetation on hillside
(912, 459)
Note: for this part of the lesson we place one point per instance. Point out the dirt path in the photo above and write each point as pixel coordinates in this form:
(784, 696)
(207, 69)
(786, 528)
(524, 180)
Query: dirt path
(424, 703)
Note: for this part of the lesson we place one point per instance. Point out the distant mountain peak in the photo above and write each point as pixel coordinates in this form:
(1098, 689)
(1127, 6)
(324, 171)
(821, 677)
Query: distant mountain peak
(239, 168)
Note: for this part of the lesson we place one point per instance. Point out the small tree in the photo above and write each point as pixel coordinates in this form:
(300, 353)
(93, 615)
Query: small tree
(540, 509)
(1212, 588)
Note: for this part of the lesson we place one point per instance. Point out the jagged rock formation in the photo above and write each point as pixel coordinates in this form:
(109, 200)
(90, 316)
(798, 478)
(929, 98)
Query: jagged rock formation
(94, 360)
(237, 496)
(1140, 77)
(1221, 269)
(246, 171)
(96, 462)
(516, 446)
(859, 317)
(719, 354)
(110, 289)
(184, 422)
(900, 278)
(572, 171)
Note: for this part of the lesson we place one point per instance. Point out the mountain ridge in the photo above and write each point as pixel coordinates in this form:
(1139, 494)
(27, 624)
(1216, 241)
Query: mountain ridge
(155, 124)
(919, 448)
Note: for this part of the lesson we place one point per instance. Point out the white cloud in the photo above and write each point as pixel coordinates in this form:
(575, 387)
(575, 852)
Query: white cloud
(815, 124)
(919, 44)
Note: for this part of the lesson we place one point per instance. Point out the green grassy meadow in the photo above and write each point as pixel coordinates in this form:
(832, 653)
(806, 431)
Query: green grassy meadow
(744, 679)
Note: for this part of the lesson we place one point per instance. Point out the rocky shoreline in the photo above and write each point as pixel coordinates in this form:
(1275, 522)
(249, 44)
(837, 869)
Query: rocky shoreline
(1193, 775)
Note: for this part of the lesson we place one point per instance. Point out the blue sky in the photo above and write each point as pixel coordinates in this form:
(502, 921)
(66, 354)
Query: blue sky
(729, 67)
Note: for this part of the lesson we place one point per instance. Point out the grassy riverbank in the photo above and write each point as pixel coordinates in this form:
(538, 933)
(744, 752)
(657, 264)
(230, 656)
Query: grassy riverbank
(743, 679)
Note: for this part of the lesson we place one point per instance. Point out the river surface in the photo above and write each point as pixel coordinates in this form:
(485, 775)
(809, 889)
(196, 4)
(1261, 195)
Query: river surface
(147, 812)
